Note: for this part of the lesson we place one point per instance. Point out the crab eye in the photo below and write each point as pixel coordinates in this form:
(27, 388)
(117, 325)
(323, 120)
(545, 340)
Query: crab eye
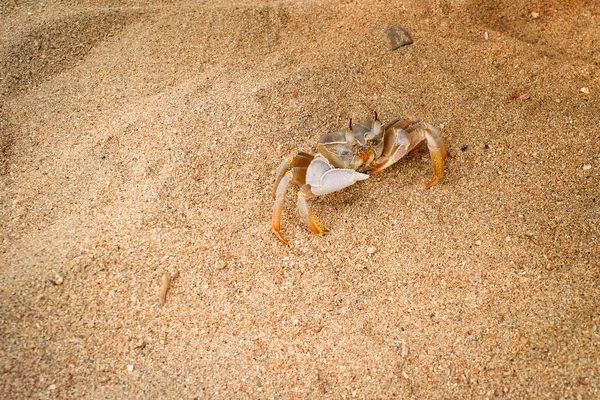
(349, 136)
(375, 131)
(376, 127)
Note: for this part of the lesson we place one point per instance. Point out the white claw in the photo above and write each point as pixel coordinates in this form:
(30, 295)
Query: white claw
(323, 178)
(317, 168)
(337, 179)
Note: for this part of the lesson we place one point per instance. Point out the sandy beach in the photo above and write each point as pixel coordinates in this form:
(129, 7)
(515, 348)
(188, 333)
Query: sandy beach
(140, 140)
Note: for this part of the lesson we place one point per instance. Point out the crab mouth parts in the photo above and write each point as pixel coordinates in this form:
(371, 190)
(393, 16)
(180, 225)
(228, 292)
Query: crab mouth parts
(365, 155)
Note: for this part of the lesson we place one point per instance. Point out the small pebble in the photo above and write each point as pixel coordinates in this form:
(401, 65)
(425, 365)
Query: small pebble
(584, 90)
(464, 147)
(478, 242)
(57, 280)
(535, 15)
(587, 167)
(405, 375)
(52, 387)
(371, 250)
(130, 368)
(398, 37)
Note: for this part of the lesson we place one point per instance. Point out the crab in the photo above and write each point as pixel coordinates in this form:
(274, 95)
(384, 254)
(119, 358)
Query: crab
(347, 156)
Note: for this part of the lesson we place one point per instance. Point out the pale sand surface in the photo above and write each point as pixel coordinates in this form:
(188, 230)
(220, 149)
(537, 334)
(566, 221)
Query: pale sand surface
(141, 138)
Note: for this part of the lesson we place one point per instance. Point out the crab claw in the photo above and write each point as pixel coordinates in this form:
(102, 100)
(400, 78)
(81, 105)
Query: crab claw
(323, 178)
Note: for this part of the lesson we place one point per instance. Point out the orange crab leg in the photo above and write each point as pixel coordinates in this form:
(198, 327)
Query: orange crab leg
(301, 160)
(438, 152)
(310, 219)
(280, 193)
(438, 167)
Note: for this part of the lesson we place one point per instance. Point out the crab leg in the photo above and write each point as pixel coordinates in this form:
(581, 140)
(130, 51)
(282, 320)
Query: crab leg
(405, 136)
(437, 150)
(281, 171)
(299, 160)
(280, 193)
(396, 147)
(292, 170)
(309, 218)
(400, 138)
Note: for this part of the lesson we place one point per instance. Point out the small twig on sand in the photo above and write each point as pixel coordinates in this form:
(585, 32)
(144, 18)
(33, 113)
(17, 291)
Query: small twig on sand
(164, 288)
